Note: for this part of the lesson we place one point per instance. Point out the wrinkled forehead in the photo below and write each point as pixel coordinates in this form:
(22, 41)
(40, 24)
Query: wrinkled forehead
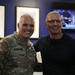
(54, 16)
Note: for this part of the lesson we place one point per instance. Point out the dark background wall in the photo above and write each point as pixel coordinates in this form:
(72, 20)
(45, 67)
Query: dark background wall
(44, 5)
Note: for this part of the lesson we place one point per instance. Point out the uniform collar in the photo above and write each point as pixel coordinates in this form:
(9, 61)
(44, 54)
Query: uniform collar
(20, 40)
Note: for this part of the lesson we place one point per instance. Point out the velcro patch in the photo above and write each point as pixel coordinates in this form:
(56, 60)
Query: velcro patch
(1, 48)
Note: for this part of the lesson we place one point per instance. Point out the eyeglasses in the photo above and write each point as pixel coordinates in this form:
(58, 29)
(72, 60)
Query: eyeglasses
(52, 21)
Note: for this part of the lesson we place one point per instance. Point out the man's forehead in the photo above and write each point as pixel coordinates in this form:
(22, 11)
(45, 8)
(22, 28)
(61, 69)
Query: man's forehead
(54, 17)
(27, 19)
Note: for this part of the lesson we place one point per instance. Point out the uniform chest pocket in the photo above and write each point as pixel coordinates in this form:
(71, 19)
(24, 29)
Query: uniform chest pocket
(18, 51)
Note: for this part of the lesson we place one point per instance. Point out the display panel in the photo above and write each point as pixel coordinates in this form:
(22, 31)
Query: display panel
(68, 17)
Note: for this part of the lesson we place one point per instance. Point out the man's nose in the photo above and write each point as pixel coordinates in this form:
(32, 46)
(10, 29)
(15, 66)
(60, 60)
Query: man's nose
(28, 27)
(55, 23)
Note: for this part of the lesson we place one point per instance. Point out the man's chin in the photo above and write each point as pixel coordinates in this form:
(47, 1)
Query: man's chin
(27, 37)
(55, 33)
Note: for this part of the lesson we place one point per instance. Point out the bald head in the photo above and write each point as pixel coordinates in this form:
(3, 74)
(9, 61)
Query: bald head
(26, 17)
(52, 14)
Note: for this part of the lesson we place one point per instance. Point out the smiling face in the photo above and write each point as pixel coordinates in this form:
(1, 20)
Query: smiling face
(26, 26)
(54, 23)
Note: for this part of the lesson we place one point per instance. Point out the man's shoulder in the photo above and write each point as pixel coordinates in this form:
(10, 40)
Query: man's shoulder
(68, 38)
(44, 37)
(7, 40)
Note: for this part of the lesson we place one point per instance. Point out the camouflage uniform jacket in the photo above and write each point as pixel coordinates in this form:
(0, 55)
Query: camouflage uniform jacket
(17, 56)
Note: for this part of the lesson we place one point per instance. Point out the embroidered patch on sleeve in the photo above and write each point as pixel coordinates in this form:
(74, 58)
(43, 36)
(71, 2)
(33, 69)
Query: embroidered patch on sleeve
(1, 48)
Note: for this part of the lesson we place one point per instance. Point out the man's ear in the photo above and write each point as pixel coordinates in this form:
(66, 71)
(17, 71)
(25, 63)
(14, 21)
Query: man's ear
(62, 22)
(45, 23)
(18, 25)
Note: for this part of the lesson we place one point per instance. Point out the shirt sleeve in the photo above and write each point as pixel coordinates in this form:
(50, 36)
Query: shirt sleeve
(3, 53)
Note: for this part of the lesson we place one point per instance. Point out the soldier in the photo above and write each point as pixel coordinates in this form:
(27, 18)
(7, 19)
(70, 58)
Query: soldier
(17, 54)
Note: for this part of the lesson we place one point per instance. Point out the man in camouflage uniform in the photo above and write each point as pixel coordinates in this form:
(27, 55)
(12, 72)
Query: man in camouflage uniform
(17, 54)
